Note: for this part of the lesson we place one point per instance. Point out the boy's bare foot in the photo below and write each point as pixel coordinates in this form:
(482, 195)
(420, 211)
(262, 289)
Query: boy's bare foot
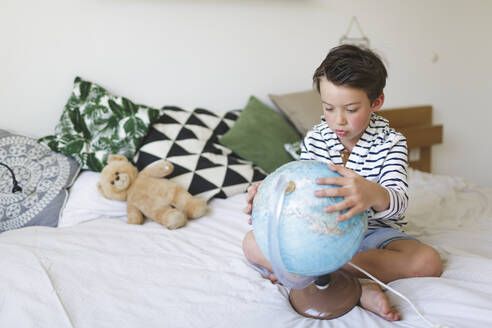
(373, 299)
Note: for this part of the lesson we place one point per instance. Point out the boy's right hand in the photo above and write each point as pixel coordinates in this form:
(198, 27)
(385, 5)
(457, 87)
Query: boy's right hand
(252, 190)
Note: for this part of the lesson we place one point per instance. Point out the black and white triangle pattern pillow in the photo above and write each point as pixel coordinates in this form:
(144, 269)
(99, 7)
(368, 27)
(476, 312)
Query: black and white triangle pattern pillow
(189, 140)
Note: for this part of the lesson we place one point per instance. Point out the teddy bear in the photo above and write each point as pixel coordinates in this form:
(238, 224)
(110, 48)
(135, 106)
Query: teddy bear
(147, 194)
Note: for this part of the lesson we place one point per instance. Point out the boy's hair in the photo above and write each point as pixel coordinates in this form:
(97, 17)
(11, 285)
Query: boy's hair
(355, 67)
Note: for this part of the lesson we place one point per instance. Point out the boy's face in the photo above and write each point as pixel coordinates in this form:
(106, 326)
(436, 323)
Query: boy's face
(347, 111)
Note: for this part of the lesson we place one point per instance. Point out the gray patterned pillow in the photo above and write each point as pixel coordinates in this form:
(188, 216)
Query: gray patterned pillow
(96, 124)
(44, 177)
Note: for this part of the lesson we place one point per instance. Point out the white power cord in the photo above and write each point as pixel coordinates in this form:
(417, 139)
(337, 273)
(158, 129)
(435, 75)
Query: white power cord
(431, 324)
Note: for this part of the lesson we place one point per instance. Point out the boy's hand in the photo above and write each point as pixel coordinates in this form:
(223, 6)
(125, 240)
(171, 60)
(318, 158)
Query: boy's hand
(359, 193)
(252, 190)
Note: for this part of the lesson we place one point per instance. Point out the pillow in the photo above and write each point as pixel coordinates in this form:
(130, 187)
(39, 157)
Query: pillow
(96, 124)
(303, 109)
(44, 177)
(189, 140)
(86, 203)
(259, 136)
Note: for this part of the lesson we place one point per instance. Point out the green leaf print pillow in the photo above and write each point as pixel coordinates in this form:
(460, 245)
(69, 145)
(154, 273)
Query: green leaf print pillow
(95, 124)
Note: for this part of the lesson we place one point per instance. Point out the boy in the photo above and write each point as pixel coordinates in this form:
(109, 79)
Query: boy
(372, 159)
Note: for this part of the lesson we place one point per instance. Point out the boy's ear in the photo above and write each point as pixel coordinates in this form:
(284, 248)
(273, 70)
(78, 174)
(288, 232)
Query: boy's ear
(378, 103)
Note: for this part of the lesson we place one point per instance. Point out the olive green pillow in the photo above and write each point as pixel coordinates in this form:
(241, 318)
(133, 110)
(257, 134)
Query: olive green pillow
(259, 136)
(96, 124)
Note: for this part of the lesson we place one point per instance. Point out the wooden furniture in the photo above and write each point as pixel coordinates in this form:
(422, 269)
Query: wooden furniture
(415, 123)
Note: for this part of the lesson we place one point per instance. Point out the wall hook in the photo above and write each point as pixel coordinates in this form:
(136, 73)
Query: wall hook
(361, 40)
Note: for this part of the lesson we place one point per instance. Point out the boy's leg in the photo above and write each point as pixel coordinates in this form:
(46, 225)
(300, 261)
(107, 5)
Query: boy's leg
(372, 298)
(402, 258)
(254, 255)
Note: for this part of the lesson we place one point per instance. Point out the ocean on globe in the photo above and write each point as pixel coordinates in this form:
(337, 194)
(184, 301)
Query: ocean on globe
(311, 242)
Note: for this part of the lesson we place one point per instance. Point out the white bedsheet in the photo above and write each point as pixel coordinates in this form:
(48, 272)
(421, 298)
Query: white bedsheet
(107, 273)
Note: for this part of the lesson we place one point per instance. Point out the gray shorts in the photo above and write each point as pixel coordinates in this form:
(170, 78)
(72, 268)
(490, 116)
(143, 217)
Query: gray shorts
(379, 238)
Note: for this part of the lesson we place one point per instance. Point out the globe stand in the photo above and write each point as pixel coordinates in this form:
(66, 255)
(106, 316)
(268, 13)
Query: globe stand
(329, 297)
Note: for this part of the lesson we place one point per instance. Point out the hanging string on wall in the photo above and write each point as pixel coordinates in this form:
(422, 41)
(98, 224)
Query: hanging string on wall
(360, 40)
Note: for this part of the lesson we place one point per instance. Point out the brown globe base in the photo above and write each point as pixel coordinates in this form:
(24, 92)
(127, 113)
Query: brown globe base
(331, 301)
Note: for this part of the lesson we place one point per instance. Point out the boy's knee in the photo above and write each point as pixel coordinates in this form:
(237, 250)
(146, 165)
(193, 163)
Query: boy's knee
(249, 245)
(427, 263)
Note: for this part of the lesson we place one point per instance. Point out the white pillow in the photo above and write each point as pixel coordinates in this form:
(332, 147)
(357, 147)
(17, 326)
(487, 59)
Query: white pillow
(85, 202)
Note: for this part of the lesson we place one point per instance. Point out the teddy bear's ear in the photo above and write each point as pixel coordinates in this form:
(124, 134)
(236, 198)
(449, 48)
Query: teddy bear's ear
(115, 157)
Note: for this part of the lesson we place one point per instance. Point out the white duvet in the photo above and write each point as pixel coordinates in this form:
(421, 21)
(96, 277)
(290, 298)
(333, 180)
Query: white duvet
(107, 273)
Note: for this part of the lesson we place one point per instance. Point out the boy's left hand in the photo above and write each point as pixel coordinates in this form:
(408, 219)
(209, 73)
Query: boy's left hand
(359, 193)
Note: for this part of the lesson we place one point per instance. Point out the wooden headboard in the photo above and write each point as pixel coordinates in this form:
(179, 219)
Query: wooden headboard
(415, 123)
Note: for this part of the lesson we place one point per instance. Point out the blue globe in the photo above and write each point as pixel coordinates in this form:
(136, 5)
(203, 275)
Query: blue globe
(311, 242)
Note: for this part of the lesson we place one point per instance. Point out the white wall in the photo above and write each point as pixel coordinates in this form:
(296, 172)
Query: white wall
(215, 54)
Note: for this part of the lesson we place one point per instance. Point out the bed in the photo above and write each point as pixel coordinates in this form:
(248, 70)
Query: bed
(95, 270)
